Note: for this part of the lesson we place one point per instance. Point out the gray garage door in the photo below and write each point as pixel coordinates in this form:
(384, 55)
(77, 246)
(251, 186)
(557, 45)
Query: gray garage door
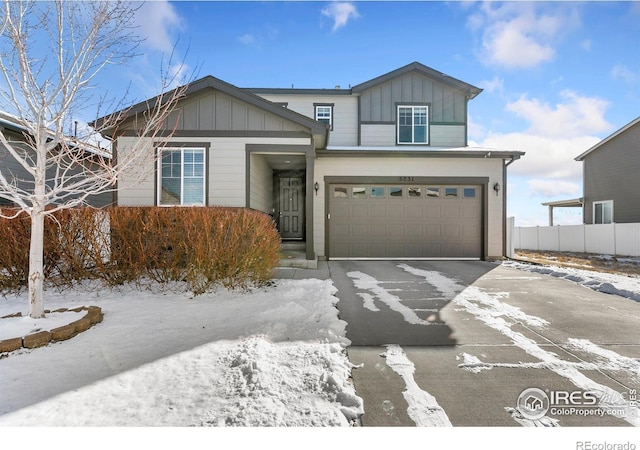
(405, 221)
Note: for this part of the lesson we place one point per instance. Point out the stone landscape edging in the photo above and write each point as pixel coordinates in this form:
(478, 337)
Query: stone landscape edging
(41, 338)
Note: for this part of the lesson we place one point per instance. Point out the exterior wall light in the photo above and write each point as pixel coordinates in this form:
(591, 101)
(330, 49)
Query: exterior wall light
(496, 187)
(316, 187)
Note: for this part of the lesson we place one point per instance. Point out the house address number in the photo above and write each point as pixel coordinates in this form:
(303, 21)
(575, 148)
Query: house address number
(405, 179)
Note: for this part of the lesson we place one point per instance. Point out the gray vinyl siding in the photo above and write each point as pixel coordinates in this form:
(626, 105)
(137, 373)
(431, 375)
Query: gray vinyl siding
(611, 173)
(12, 170)
(261, 184)
(345, 112)
(447, 105)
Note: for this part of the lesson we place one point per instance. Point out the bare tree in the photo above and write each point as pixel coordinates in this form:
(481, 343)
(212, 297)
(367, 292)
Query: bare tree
(50, 56)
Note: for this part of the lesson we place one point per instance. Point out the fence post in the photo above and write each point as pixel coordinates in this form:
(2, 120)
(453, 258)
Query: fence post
(510, 237)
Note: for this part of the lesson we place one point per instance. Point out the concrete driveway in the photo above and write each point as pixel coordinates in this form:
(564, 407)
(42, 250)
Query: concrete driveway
(458, 342)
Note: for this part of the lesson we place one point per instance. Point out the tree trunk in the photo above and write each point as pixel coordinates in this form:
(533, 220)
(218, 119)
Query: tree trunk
(36, 264)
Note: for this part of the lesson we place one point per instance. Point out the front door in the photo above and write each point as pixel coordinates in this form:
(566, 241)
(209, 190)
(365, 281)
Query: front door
(291, 205)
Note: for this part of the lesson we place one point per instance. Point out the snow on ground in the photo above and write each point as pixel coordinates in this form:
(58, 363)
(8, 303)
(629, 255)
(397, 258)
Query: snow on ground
(423, 409)
(608, 283)
(271, 357)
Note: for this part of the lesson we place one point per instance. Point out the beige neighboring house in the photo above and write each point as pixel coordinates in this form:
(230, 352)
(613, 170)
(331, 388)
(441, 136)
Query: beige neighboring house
(379, 170)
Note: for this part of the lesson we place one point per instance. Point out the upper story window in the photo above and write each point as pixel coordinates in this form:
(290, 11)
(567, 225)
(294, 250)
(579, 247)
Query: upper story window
(413, 124)
(182, 177)
(324, 114)
(603, 212)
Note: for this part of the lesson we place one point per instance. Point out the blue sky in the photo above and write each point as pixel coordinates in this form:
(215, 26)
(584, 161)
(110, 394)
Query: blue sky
(557, 76)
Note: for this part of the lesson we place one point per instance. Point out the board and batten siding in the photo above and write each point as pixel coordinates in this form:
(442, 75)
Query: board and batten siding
(345, 113)
(212, 110)
(447, 105)
(413, 167)
(611, 173)
(226, 164)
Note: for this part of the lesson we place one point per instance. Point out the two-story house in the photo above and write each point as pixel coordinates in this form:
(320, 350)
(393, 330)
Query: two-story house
(610, 169)
(379, 170)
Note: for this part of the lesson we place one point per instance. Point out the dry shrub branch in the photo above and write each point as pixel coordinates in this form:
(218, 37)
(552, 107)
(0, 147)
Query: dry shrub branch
(202, 247)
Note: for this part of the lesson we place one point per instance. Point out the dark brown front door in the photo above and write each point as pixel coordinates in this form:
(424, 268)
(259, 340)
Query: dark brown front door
(291, 204)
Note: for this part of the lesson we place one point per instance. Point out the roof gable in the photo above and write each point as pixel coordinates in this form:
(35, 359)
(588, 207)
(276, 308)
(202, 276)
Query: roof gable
(470, 90)
(624, 129)
(201, 86)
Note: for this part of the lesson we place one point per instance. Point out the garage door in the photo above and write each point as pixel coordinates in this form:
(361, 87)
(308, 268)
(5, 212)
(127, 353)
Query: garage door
(405, 221)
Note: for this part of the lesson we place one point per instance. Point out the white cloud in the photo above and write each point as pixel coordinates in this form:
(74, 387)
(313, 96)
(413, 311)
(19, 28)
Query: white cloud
(622, 72)
(247, 39)
(586, 45)
(576, 116)
(340, 13)
(553, 188)
(157, 22)
(517, 35)
(497, 84)
(546, 157)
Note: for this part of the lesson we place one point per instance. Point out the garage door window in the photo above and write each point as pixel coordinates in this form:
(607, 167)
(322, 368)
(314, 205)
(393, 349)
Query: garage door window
(414, 192)
(359, 192)
(377, 192)
(469, 192)
(433, 192)
(451, 192)
(395, 192)
(340, 192)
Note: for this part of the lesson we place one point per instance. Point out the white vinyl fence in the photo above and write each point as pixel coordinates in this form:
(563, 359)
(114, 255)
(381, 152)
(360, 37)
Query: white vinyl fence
(621, 239)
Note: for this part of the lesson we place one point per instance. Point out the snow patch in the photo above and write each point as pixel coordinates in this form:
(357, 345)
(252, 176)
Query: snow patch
(368, 301)
(609, 359)
(608, 283)
(424, 410)
(367, 282)
(525, 422)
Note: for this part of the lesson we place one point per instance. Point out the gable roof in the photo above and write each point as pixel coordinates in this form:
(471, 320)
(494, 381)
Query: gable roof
(210, 82)
(428, 72)
(608, 138)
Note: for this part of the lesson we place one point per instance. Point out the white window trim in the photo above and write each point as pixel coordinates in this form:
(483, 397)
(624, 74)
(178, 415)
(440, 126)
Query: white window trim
(602, 202)
(413, 139)
(159, 177)
(330, 106)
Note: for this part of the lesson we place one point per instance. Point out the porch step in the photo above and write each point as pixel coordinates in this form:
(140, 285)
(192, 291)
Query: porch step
(298, 263)
(293, 246)
(293, 254)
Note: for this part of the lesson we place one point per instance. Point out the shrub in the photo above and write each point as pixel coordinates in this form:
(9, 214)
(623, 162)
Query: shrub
(204, 247)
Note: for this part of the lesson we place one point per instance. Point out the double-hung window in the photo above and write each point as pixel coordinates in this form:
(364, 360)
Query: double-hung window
(324, 114)
(413, 124)
(182, 176)
(603, 212)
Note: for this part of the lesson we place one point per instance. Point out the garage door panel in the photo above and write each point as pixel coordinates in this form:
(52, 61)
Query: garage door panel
(433, 231)
(432, 211)
(385, 221)
(396, 211)
(415, 231)
(359, 211)
(451, 210)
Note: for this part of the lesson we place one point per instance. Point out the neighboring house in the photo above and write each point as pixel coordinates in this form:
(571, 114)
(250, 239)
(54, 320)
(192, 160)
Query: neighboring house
(14, 172)
(610, 177)
(379, 170)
